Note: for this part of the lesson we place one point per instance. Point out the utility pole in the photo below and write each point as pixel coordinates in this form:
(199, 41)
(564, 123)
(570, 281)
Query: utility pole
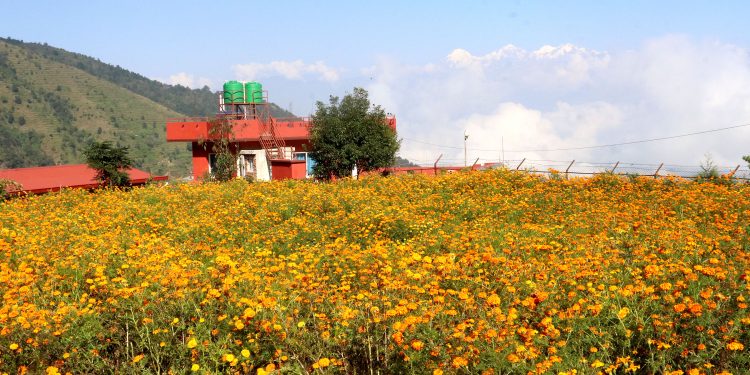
(466, 137)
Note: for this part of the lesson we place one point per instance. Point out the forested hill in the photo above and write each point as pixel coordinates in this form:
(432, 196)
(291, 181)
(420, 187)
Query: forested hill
(54, 102)
(190, 102)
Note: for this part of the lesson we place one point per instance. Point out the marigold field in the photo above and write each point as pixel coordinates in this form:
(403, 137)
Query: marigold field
(495, 272)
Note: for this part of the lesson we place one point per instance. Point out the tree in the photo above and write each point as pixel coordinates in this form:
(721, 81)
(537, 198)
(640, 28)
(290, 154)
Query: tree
(351, 133)
(709, 170)
(403, 162)
(221, 136)
(746, 158)
(110, 163)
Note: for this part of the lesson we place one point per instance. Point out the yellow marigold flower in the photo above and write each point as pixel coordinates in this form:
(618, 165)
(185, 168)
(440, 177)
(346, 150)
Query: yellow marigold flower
(734, 345)
(437, 372)
(623, 312)
(195, 367)
(417, 345)
(245, 353)
(13, 346)
(261, 371)
(324, 362)
(301, 324)
(138, 358)
(597, 364)
(459, 362)
(192, 343)
(239, 325)
(229, 357)
(52, 370)
(248, 313)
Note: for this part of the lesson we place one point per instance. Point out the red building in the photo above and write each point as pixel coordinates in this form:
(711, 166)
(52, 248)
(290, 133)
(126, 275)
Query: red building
(266, 147)
(40, 180)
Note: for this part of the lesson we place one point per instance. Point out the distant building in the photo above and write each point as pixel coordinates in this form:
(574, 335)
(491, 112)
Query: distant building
(39, 180)
(266, 147)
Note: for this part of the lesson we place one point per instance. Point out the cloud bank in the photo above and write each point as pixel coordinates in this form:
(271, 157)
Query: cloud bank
(187, 80)
(292, 70)
(569, 96)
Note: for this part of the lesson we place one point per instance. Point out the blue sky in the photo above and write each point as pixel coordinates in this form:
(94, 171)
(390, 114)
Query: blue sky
(161, 38)
(613, 66)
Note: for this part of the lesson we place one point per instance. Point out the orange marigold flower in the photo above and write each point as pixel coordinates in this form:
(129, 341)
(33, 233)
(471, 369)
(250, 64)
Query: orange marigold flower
(734, 345)
(459, 362)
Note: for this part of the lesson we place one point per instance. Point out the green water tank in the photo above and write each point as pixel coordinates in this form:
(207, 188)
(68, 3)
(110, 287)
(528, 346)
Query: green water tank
(233, 92)
(254, 91)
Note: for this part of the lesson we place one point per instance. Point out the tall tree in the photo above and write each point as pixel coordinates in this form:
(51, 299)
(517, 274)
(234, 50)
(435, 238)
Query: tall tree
(110, 163)
(351, 133)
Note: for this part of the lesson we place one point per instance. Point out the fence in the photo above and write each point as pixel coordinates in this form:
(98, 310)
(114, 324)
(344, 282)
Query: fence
(573, 168)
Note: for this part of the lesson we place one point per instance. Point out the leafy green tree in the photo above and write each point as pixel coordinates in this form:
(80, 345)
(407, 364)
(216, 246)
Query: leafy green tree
(350, 133)
(746, 158)
(709, 170)
(403, 162)
(221, 135)
(110, 163)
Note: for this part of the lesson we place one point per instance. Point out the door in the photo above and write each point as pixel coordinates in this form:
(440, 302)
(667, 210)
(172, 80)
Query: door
(247, 165)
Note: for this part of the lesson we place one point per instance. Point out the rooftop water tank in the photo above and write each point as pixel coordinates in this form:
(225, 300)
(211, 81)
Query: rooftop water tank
(254, 91)
(233, 93)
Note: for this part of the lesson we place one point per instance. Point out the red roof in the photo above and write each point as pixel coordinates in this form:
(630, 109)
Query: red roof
(46, 179)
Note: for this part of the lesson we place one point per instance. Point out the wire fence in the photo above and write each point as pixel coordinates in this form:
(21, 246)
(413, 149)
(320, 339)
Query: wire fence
(573, 168)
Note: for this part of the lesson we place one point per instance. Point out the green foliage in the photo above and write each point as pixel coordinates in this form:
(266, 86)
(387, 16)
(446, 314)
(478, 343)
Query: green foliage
(402, 162)
(351, 133)
(109, 161)
(20, 148)
(709, 170)
(61, 107)
(221, 134)
(746, 158)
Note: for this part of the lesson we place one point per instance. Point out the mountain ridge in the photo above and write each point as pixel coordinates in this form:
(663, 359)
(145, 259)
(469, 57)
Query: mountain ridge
(54, 102)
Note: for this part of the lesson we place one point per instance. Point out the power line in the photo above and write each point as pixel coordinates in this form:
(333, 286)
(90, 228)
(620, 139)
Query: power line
(592, 147)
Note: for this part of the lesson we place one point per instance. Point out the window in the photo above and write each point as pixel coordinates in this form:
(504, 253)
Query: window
(309, 162)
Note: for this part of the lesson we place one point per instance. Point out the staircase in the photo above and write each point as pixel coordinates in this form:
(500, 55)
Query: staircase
(272, 145)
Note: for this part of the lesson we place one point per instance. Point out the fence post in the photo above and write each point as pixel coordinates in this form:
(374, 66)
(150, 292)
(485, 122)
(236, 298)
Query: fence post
(475, 164)
(567, 169)
(519, 164)
(435, 165)
(656, 174)
(733, 172)
(615, 167)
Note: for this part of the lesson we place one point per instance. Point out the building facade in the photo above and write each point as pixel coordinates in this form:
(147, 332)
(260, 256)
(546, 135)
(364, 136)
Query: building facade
(265, 147)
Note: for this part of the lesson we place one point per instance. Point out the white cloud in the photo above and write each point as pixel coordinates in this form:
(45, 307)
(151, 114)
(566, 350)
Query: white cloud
(291, 70)
(187, 80)
(568, 96)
